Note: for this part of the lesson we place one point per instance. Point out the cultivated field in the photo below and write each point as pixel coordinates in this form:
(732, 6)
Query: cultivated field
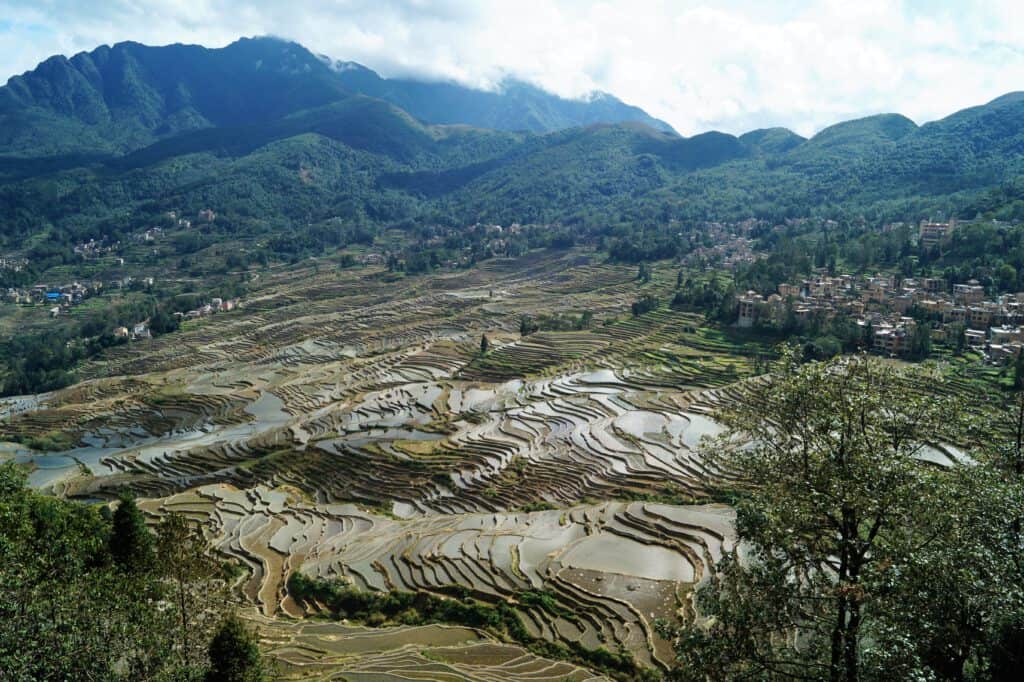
(345, 424)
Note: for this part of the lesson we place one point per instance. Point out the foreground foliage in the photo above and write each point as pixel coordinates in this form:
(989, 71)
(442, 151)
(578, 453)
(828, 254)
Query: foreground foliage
(234, 654)
(858, 558)
(85, 597)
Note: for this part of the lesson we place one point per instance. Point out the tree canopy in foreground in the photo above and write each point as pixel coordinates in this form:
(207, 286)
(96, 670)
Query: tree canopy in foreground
(859, 557)
(85, 597)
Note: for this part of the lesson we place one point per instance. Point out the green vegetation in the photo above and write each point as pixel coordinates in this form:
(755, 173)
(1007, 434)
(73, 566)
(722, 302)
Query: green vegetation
(322, 172)
(645, 304)
(131, 543)
(40, 361)
(89, 595)
(861, 561)
(235, 654)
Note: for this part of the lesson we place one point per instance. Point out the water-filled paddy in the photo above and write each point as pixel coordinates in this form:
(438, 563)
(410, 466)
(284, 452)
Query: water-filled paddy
(609, 553)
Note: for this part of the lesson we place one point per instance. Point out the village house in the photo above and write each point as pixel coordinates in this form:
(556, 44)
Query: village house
(890, 340)
(979, 317)
(969, 293)
(1006, 334)
(1000, 353)
(933, 233)
(976, 338)
(749, 309)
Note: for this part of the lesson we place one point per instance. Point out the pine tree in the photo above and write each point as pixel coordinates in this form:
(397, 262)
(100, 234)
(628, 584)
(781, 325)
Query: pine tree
(131, 544)
(485, 345)
(235, 654)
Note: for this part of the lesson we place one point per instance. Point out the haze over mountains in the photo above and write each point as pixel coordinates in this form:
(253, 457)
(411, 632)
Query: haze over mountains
(265, 129)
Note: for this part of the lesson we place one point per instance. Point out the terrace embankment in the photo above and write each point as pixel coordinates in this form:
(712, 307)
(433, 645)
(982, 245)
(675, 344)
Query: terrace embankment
(610, 570)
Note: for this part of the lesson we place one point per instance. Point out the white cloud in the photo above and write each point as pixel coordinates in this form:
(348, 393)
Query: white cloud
(699, 65)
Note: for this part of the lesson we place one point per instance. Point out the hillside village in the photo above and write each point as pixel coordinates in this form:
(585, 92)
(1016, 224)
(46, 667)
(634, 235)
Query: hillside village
(891, 310)
(60, 299)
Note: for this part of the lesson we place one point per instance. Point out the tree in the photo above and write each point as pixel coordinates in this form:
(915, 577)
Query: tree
(235, 654)
(131, 543)
(958, 332)
(527, 325)
(1006, 656)
(644, 304)
(829, 455)
(68, 612)
(196, 593)
(162, 322)
(920, 346)
(1006, 636)
(485, 345)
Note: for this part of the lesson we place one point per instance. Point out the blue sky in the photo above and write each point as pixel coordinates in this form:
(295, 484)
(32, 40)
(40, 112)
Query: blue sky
(731, 66)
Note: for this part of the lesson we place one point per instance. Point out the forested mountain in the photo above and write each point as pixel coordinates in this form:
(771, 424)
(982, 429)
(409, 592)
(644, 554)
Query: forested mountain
(122, 97)
(116, 99)
(277, 141)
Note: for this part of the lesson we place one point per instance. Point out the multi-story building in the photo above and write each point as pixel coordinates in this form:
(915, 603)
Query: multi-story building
(749, 307)
(969, 293)
(932, 233)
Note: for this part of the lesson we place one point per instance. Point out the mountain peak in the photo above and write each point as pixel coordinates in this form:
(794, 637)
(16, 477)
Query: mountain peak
(122, 97)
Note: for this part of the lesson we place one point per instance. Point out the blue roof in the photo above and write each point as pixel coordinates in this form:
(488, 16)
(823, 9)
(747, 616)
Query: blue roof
(52, 295)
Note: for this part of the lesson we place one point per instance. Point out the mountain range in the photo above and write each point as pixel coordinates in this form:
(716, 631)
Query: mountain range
(272, 135)
(119, 98)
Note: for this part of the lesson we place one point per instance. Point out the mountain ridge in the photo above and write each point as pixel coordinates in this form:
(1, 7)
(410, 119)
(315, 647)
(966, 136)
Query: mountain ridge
(535, 109)
(123, 97)
(314, 151)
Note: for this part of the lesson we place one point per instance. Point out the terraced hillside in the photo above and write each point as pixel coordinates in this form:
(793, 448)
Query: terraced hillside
(344, 424)
(610, 569)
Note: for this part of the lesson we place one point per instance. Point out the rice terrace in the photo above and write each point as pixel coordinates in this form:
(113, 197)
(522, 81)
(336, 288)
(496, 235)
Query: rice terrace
(341, 428)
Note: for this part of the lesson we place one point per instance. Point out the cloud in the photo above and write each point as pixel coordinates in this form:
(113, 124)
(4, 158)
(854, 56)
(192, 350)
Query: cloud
(730, 66)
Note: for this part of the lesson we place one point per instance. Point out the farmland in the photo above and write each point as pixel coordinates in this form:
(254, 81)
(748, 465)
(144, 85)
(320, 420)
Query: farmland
(346, 428)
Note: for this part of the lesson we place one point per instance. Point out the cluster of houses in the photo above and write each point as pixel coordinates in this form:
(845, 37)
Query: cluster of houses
(882, 303)
(206, 215)
(13, 263)
(729, 253)
(931, 233)
(150, 234)
(59, 297)
(140, 330)
(725, 245)
(64, 296)
(216, 305)
(94, 249)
